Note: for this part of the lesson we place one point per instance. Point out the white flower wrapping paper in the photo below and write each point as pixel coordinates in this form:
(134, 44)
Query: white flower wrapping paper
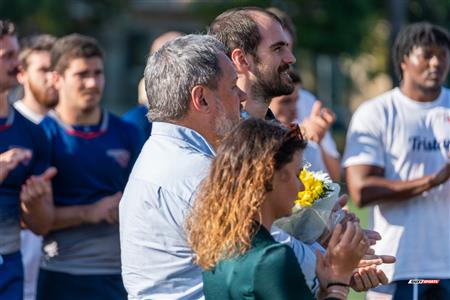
(310, 223)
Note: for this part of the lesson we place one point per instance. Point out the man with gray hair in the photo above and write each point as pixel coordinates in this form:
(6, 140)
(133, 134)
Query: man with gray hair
(138, 115)
(195, 101)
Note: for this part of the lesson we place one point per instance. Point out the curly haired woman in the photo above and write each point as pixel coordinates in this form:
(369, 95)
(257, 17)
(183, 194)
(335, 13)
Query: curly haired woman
(252, 182)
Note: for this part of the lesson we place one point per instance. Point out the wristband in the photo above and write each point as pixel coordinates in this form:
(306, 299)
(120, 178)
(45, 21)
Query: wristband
(337, 283)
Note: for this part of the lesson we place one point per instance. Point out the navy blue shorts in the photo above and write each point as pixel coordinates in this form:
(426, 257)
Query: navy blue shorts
(11, 276)
(63, 286)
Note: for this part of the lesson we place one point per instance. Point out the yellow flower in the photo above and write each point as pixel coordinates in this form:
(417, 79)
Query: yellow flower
(314, 188)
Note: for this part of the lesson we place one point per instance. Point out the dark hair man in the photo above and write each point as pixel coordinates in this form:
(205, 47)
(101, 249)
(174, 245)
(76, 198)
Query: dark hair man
(397, 163)
(24, 154)
(255, 41)
(259, 47)
(94, 152)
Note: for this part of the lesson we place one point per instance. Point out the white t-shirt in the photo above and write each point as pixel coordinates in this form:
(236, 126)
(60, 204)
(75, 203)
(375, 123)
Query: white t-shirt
(305, 104)
(409, 140)
(313, 157)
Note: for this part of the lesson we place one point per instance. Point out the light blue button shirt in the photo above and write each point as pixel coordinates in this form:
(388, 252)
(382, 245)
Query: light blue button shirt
(156, 259)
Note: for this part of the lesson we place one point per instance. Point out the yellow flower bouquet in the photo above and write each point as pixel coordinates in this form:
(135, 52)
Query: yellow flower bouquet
(314, 214)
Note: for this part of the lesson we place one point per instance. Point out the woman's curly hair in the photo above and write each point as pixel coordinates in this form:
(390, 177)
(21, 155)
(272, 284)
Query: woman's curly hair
(222, 222)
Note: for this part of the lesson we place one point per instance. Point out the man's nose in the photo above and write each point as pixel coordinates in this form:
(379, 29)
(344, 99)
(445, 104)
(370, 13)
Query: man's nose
(289, 57)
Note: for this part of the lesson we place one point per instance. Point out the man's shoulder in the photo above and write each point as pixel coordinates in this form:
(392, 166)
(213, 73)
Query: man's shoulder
(378, 102)
(137, 116)
(48, 122)
(171, 164)
(30, 127)
(117, 122)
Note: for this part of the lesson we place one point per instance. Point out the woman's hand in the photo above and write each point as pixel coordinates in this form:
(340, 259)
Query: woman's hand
(345, 250)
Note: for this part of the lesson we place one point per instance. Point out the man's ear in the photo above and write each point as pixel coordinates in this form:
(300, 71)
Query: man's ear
(22, 75)
(403, 63)
(56, 79)
(240, 60)
(198, 98)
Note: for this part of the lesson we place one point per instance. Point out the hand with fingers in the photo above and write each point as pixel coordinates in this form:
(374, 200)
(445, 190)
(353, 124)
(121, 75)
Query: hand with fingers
(104, 210)
(367, 275)
(441, 176)
(318, 122)
(373, 259)
(344, 214)
(348, 216)
(345, 250)
(10, 159)
(36, 201)
(372, 236)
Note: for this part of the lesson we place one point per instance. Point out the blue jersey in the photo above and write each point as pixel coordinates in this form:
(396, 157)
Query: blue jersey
(18, 132)
(138, 117)
(93, 162)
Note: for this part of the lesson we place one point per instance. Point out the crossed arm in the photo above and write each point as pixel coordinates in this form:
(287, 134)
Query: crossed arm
(367, 184)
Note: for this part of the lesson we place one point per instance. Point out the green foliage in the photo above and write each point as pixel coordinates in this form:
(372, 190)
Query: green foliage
(435, 11)
(323, 26)
(332, 27)
(59, 17)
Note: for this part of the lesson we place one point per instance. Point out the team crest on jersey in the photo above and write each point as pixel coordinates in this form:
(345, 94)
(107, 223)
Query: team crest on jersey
(121, 156)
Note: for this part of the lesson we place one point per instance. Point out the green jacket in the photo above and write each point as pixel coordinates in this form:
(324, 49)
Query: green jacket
(269, 270)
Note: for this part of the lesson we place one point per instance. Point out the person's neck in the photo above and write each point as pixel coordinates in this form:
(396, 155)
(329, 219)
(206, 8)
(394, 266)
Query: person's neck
(4, 104)
(419, 94)
(73, 116)
(267, 217)
(255, 106)
(202, 128)
(30, 102)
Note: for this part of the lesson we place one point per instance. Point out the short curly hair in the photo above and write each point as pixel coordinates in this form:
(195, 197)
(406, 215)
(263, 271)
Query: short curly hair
(421, 34)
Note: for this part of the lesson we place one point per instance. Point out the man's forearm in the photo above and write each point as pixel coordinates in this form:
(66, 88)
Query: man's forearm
(38, 218)
(379, 189)
(69, 216)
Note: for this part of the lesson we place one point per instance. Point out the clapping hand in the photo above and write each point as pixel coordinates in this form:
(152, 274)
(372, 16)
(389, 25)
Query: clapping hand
(10, 159)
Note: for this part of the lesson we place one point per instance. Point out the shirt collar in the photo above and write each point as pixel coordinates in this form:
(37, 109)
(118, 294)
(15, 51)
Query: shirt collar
(90, 134)
(187, 135)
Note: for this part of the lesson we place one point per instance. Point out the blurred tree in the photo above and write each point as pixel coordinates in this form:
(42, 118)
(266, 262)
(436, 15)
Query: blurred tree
(59, 17)
(323, 26)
